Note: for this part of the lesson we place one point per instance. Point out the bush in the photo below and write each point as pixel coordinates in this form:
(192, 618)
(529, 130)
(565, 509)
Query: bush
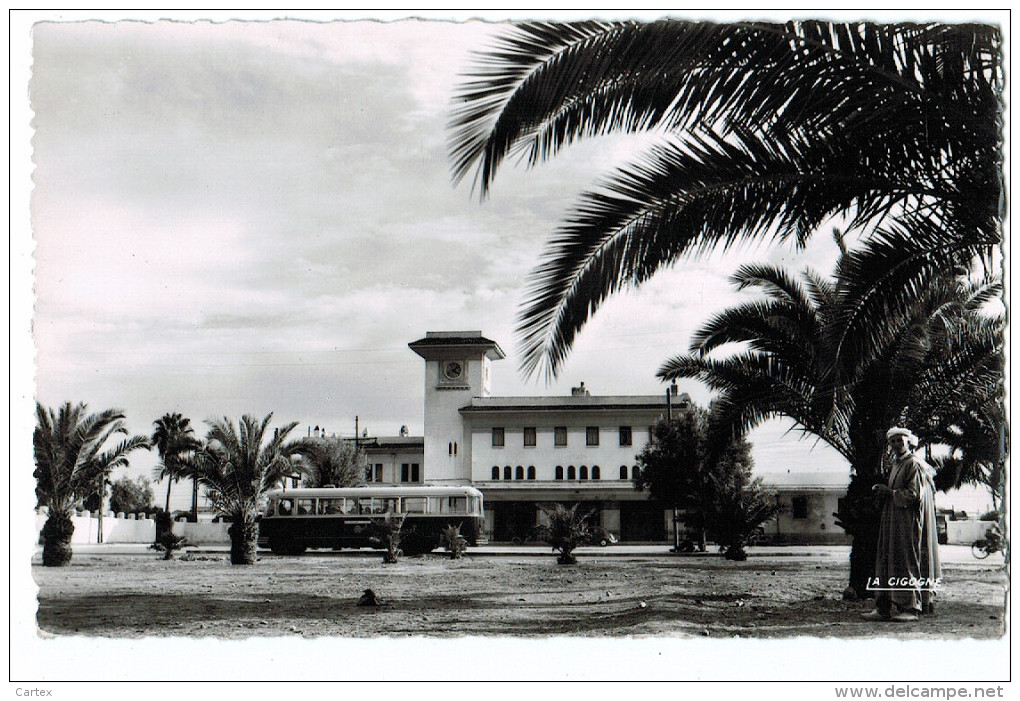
(168, 543)
(387, 533)
(566, 531)
(453, 542)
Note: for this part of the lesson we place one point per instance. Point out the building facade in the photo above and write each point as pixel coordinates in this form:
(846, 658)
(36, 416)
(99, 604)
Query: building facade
(524, 453)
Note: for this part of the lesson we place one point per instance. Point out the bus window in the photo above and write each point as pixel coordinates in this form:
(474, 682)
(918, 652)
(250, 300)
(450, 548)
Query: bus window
(331, 506)
(456, 505)
(414, 505)
(306, 506)
(286, 507)
(386, 506)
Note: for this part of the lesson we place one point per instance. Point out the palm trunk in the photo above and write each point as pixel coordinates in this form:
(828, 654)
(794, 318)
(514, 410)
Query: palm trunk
(169, 485)
(194, 499)
(859, 515)
(56, 533)
(243, 541)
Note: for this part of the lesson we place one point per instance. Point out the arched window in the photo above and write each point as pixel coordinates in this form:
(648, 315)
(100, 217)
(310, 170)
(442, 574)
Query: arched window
(508, 473)
(583, 472)
(559, 472)
(519, 473)
(571, 473)
(531, 472)
(636, 472)
(495, 472)
(596, 473)
(623, 472)
(450, 448)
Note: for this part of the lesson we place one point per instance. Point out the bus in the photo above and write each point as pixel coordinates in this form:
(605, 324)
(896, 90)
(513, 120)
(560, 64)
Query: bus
(329, 517)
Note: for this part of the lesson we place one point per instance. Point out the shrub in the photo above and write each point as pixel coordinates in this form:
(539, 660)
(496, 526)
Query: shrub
(387, 533)
(168, 543)
(453, 542)
(566, 531)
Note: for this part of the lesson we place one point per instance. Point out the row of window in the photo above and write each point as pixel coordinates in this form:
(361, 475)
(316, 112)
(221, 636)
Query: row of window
(570, 473)
(409, 472)
(530, 436)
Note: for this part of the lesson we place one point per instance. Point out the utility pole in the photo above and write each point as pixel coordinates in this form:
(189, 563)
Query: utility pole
(356, 433)
(102, 493)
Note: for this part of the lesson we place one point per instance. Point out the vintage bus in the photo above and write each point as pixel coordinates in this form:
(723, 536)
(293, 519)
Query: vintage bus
(327, 517)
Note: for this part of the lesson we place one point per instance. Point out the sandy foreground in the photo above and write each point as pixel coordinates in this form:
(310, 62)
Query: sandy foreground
(141, 595)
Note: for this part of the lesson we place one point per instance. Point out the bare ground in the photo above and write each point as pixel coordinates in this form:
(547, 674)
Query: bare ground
(140, 595)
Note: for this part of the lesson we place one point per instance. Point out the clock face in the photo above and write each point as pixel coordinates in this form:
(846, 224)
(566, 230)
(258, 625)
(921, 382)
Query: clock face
(453, 370)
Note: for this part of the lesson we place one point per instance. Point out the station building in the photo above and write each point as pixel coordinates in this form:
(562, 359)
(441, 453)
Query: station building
(522, 452)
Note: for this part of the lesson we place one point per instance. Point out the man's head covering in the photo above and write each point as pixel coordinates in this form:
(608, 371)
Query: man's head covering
(900, 431)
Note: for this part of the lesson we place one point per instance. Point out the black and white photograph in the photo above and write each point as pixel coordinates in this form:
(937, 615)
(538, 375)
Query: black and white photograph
(529, 346)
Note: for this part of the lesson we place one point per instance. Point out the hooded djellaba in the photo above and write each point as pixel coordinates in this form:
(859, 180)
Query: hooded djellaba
(907, 569)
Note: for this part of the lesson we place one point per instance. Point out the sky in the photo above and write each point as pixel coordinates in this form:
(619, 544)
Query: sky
(256, 217)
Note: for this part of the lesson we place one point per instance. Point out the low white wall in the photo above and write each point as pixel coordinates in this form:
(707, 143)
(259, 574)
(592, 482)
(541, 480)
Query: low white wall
(117, 528)
(966, 532)
(203, 533)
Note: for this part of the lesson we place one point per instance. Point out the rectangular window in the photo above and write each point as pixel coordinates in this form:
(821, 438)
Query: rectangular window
(560, 436)
(592, 435)
(414, 505)
(560, 433)
(498, 437)
(305, 506)
(415, 472)
(405, 472)
(626, 438)
(530, 437)
(799, 505)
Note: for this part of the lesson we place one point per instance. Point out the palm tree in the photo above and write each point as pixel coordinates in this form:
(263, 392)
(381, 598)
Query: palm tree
(333, 461)
(766, 131)
(931, 369)
(237, 465)
(174, 439)
(70, 458)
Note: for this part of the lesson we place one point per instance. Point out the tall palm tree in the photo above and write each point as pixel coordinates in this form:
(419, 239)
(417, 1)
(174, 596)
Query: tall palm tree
(931, 369)
(71, 454)
(237, 465)
(767, 130)
(174, 439)
(332, 461)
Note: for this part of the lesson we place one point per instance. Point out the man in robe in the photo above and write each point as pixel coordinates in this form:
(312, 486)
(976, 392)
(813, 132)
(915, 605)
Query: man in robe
(907, 567)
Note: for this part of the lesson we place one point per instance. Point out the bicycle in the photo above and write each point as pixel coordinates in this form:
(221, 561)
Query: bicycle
(990, 544)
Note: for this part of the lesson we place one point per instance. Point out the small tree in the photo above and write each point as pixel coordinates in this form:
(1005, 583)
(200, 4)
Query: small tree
(332, 461)
(387, 533)
(737, 512)
(453, 542)
(71, 450)
(167, 543)
(131, 496)
(566, 531)
(237, 465)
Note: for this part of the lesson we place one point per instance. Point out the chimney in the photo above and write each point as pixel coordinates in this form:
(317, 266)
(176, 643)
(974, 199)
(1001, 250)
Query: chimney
(579, 391)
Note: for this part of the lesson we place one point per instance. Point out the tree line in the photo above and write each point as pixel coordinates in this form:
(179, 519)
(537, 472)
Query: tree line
(76, 451)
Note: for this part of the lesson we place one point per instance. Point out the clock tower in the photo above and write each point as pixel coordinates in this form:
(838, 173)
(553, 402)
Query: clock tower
(456, 369)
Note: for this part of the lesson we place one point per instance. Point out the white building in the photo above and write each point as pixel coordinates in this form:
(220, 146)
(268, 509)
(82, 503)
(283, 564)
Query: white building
(526, 451)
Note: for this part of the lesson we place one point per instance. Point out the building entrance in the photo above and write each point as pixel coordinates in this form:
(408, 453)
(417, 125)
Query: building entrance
(641, 521)
(512, 520)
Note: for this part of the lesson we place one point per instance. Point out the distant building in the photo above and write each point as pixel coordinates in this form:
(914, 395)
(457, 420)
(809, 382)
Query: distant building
(525, 451)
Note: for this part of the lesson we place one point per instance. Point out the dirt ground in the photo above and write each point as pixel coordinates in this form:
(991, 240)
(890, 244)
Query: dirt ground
(139, 595)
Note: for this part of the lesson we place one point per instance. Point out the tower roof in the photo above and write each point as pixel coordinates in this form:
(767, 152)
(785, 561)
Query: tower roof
(459, 340)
